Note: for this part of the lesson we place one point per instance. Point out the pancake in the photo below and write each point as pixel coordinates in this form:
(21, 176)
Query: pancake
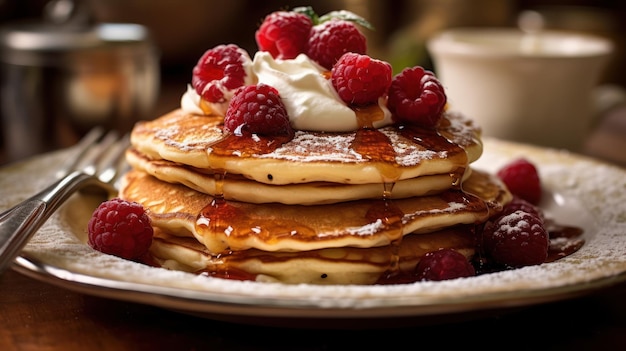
(238, 188)
(345, 265)
(365, 156)
(224, 226)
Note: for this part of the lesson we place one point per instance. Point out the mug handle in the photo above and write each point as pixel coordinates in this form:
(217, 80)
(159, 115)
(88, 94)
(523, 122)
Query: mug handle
(606, 97)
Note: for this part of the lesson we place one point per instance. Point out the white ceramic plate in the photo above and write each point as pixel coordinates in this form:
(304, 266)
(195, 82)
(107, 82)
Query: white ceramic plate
(579, 191)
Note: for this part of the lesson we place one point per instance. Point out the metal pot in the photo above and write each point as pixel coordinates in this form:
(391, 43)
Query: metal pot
(58, 81)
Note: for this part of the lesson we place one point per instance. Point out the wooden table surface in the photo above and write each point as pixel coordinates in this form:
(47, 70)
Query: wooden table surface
(39, 316)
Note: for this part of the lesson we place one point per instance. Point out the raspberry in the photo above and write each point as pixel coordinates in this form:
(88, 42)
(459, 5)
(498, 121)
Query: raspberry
(517, 203)
(522, 179)
(329, 40)
(220, 71)
(120, 228)
(284, 34)
(257, 109)
(444, 264)
(516, 239)
(416, 96)
(360, 79)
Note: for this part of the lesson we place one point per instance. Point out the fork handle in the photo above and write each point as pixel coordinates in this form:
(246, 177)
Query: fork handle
(18, 224)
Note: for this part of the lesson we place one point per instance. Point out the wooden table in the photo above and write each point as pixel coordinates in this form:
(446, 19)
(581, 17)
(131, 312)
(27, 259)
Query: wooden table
(40, 316)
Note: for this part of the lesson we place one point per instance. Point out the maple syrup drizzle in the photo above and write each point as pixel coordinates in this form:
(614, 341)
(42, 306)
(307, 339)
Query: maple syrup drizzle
(367, 115)
(369, 142)
(376, 147)
(245, 146)
(218, 176)
(432, 139)
(204, 106)
(221, 216)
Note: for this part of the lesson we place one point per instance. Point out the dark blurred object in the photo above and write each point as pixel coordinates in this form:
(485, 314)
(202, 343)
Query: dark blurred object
(181, 29)
(63, 74)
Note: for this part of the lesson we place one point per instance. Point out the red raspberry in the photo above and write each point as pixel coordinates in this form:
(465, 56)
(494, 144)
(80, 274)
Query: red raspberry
(121, 228)
(416, 96)
(517, 203)
(522, 179)
(257, 109)
(329, 40)
(444, 264)
(516, 239)
(219, 71)
(360, 79)
(284, 34)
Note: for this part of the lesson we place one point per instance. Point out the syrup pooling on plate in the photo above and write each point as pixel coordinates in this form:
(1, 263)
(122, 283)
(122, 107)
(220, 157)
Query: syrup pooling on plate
(564, 240)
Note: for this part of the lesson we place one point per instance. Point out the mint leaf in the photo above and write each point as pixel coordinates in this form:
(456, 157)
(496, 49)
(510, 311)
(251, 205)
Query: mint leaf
(309, 12)
(346, 16)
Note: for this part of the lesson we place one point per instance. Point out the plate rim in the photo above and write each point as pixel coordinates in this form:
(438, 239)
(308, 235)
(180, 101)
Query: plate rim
(198, 302)
(137, 292)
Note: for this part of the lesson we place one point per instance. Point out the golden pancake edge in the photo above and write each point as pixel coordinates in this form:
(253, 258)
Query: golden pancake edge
(238, 188)
(223, 225)
(365, 156)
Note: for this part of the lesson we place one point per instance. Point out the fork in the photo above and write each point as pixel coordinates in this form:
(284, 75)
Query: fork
(98, 163)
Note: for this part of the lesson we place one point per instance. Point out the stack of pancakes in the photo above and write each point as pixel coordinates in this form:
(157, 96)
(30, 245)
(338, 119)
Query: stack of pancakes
(323, 208)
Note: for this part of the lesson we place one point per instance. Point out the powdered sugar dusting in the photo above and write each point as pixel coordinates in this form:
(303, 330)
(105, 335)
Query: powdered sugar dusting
(512, 223)
(369, 229)
(582, 192)
(313, 147)
(337, 147)
(408, 154)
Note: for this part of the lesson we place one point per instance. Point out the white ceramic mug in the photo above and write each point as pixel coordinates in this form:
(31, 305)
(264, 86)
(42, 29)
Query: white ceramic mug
(532, 88)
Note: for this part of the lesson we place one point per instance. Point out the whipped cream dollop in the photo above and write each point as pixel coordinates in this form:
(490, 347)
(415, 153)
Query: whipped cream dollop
(309, 97)
(190, 103)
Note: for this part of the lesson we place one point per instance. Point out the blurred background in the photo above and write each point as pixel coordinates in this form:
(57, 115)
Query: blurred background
(182, 30)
